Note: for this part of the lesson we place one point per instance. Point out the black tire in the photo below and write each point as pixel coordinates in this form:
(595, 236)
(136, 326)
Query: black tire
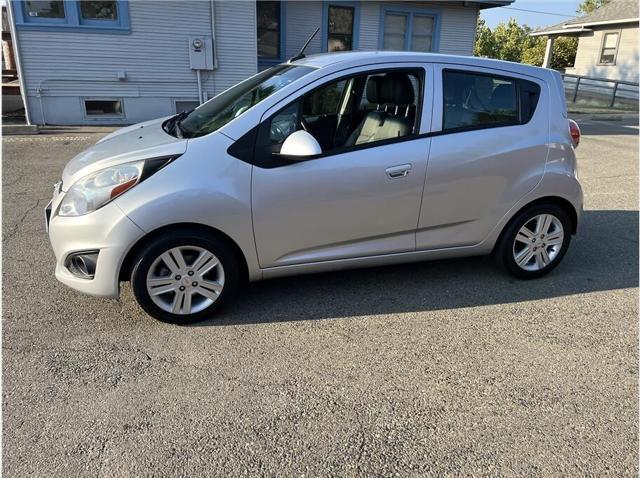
(184, 238)
(504, 251)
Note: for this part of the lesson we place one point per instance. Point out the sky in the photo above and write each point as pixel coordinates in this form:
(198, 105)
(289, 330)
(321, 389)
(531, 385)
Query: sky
(555, 12)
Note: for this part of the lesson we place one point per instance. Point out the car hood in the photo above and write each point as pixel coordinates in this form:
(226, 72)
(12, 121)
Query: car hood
(140, 141)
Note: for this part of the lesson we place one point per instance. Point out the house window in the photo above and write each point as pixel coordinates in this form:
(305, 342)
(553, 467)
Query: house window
(98, 108)
(609, 48)
(72, 15)
(186, 105)
(395, 31)
(269, 26)
(340, 28)
(421, 33)
(44, 10)
(99, 10)
(408, 30)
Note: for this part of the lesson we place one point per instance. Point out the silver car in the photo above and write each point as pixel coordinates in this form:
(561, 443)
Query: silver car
(327, 162)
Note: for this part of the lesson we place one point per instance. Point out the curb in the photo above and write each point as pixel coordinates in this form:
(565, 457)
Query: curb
(20, 129)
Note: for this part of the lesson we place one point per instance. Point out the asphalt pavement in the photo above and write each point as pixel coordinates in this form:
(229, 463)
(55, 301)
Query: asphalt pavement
(447, 368)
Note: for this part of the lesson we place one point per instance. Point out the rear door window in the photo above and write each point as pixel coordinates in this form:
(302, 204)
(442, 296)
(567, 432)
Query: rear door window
(478, 100)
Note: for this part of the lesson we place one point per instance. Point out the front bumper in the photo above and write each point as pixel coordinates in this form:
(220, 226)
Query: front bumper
(107, 230)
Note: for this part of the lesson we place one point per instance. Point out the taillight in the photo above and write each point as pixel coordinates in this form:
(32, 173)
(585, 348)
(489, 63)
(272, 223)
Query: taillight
(574, 129)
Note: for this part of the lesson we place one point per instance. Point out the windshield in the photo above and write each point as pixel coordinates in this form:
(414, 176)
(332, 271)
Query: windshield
(218, 111)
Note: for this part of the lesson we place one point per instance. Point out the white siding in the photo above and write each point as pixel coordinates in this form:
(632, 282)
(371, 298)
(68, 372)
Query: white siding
(457, 25)
(588, 55)
(302, 19)
(458, 30)
(155, 58)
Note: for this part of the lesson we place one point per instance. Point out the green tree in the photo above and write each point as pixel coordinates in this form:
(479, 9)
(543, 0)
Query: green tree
(485, 45)
(507, 41)
(512, 42)
(564, 52)
(588, 6)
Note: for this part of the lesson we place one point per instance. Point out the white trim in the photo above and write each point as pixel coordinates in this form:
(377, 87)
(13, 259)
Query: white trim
(18, 60)
(559, 32)
(581, 27)
(606, 22)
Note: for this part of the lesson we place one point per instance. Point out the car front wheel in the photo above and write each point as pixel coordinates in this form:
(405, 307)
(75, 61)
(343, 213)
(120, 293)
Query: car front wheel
(183, 278)
(535, 242)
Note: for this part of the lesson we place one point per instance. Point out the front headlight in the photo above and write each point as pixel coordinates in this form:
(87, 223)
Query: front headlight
(97, 189)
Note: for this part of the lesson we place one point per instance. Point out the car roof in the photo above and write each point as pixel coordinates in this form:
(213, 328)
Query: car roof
(350, 59)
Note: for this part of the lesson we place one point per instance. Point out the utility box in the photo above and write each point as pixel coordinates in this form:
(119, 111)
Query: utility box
(201, 53)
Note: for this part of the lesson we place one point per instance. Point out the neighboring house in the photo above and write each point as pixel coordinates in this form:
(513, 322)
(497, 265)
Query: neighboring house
(119, 62)
(608, 41)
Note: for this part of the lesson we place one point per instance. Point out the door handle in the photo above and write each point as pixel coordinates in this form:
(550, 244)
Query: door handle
(400, 171)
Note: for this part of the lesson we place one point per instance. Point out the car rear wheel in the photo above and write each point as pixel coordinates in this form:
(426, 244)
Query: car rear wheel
(535, 242)
(182, 278)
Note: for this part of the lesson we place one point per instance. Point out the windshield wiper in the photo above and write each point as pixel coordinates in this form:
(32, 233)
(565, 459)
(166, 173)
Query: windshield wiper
(179, 128)
(173, 125)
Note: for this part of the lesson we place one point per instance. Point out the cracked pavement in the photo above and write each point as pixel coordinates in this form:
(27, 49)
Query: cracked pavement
(448, 368)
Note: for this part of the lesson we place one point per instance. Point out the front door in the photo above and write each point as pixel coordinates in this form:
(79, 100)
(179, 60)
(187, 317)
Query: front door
(361, 197)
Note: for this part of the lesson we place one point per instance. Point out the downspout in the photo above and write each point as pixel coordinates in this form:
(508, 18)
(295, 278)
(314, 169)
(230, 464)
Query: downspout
(18, 59)
(475, 34)
(215, 45)
(199, 86)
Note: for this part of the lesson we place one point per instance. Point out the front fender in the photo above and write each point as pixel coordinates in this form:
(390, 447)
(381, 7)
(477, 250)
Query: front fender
(204, 186)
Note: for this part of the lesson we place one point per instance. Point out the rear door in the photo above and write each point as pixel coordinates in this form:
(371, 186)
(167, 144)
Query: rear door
(489, 150)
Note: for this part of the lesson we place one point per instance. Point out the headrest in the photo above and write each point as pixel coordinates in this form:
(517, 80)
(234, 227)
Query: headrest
(397, 89)
(503, 97)
(374, 86)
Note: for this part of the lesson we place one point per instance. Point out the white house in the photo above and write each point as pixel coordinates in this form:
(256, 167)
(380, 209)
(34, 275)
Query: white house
(118, 61)
(608, 41)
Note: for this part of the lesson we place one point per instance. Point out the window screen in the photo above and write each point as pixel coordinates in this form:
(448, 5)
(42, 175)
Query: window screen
(395, 29)
(421, 33)
(478, 100)
(408, 30)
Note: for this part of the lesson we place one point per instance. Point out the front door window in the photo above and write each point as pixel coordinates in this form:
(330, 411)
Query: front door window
(365, 108)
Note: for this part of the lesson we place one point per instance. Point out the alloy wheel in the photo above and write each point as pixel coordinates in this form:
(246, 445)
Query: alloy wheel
(538, 242)
(185, 280)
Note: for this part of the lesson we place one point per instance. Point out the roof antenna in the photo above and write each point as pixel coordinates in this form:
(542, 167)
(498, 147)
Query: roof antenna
(301, 54)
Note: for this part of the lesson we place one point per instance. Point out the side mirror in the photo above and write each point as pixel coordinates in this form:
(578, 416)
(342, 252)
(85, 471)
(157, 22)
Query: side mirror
(299, 146)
